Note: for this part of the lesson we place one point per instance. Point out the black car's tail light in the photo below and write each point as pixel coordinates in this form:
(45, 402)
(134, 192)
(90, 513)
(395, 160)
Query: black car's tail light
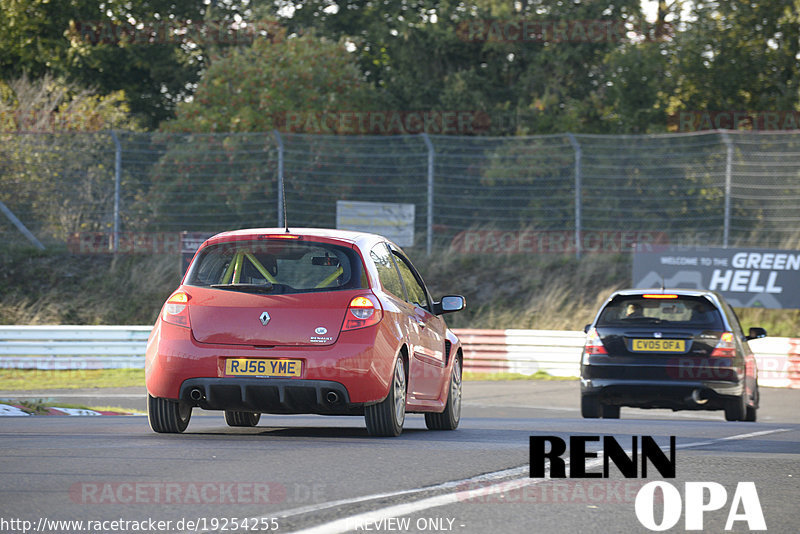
(594, 345)
(726, 346)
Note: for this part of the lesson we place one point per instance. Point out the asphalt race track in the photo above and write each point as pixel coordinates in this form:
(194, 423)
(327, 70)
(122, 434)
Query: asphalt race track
(324, 474)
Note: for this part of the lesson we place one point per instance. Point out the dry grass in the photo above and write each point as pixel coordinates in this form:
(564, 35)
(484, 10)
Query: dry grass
(55, 287)
(545, 291)
(515, 291)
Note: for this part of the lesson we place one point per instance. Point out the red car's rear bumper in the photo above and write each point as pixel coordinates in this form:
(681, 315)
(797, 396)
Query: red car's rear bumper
(361, 361)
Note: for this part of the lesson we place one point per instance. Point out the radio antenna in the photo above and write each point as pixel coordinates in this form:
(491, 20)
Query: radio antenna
(283, 195)
(281, 181)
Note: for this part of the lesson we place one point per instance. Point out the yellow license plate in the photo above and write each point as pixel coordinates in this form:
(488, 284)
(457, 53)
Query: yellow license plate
(659, 345)
(253, 367)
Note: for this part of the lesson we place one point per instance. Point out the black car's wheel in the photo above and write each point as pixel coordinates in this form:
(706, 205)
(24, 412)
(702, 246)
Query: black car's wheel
(167, 416)
(241, 418)
(750, 411)
(590, 407)
(386, 418)
(610, 412)
(735, 409)
(449, 418)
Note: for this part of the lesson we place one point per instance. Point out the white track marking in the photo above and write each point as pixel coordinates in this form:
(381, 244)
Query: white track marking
(348, 523)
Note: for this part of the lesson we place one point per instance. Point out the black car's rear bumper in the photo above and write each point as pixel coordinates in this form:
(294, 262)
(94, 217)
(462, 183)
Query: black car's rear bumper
(270, 395)
(676, 395)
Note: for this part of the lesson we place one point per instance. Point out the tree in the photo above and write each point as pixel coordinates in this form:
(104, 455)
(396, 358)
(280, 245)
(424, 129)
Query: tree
(736, 56)
(153, 50)
(58, 165)
(527, 85)
(289, 84)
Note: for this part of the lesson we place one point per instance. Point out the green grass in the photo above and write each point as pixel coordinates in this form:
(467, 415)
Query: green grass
(31, 379)
(469, 376)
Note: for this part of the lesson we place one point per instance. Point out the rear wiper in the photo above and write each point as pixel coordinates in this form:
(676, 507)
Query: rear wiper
(246, 288)
(647, 320)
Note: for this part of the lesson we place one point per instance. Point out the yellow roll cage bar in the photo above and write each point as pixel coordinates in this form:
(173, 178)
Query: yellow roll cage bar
(233, 273)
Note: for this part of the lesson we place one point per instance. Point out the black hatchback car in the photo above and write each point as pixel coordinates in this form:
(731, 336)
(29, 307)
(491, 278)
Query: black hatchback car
(677, 348)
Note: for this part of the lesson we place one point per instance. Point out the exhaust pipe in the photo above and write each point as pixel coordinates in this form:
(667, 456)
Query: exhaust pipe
(196, 394)
(332, 397)
(697, 397)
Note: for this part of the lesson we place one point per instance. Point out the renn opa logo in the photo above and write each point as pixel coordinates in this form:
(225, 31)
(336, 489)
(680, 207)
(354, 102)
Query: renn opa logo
(698, 497)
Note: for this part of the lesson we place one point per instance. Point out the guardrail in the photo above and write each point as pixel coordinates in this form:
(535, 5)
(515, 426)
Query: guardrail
(555, 352)
(60, 347)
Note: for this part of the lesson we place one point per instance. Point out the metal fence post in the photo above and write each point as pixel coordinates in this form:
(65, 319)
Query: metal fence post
(279, 140)
(21, 227)
(578, 155)
(429, 145)
(728, 176)
(117, 182)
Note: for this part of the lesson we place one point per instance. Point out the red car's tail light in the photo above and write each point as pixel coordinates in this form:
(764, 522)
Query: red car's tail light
(726, 347)
(362, 312)
(176, 310)
(594, 345)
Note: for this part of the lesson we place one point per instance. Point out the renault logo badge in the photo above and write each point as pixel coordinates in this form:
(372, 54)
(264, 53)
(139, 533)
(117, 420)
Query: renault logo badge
(264, 318)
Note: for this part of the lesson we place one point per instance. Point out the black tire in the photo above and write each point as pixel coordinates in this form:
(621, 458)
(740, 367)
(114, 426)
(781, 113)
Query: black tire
(450, 417)
(610, 412)
(735, 409)
(387, 417)
(750, 411)
(167, 415)
(590, 407)
(241, 418)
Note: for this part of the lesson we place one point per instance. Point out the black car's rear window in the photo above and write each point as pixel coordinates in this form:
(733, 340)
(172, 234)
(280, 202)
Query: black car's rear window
(683, 310)
(277, 266)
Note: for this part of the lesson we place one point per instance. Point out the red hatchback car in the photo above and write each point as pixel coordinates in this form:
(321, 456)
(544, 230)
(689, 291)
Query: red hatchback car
(304, 321)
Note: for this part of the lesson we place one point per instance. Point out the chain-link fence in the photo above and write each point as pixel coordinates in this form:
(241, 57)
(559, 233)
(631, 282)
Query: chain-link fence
(716, 188)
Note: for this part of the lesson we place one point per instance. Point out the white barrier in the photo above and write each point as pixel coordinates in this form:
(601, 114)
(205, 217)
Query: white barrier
(60, 347)
(555, 352)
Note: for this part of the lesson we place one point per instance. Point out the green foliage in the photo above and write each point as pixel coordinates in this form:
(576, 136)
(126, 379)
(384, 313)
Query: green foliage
(230, 179)
(286, 84)
(38, 167)
(153, 50)
(737, 56)
(711, 55)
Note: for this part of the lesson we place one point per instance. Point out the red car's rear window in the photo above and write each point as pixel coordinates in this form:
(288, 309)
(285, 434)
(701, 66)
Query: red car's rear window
(277, 266)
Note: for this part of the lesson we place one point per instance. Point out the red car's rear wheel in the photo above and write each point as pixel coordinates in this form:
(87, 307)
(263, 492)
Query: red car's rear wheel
(168, 416)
